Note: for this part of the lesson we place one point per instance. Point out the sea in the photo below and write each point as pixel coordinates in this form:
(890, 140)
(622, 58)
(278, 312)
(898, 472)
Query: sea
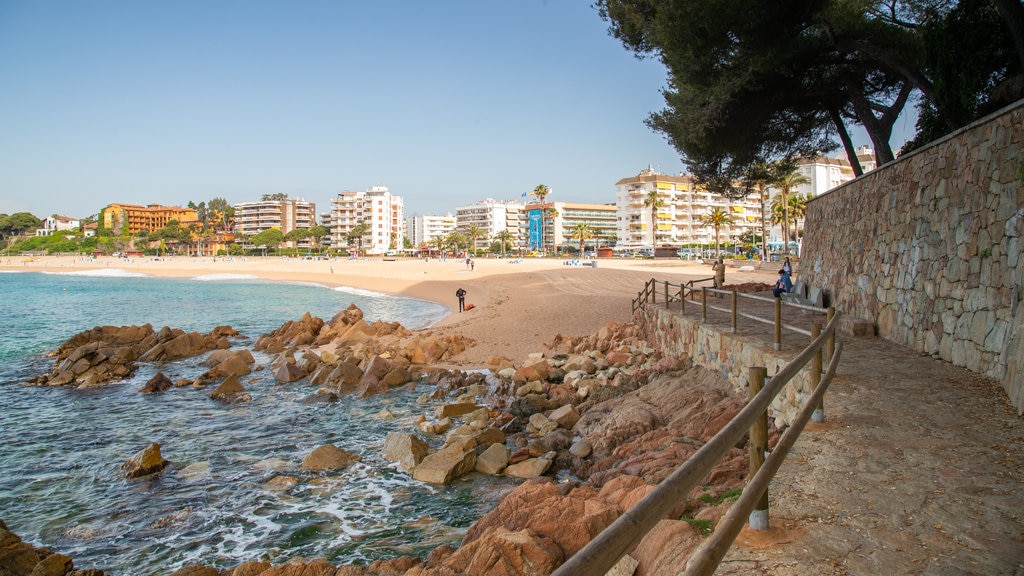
(61, 449)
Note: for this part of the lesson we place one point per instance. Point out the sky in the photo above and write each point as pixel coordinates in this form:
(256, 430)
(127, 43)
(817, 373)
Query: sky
(446, 103)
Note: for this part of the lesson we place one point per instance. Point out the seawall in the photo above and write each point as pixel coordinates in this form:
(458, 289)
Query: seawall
(928, 249)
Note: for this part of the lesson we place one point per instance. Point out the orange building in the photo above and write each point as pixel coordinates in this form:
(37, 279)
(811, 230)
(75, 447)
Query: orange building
(151, 217)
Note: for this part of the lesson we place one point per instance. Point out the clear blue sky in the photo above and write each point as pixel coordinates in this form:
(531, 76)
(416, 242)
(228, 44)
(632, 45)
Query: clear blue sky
(445, 102)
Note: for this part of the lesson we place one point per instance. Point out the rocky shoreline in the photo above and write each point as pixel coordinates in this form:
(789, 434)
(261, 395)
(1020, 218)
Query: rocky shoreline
(607, 414)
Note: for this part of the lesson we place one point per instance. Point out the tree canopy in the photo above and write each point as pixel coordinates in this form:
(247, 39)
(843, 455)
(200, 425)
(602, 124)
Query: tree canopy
(759, 81)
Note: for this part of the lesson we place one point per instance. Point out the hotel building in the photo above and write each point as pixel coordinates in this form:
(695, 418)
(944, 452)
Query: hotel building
(286, 215)
(378, 208)
(137, 218)
(558, 229)
(421, 230)
(492, 216)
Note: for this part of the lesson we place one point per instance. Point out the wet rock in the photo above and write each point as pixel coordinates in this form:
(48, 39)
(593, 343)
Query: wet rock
(288, 372)
(146, 461)
(540, 425)
(448, 463)
(227, 362)
(406, 449)
(492, 460)
(158, 383)
(329, 457)
(458, 409)
(566, 416)
(529, 468)
(231, 391)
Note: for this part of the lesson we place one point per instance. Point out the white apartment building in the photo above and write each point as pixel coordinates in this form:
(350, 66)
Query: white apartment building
(286, 215)
(558, 229)
(678, 220)
(57, 223)
(381, 211)
(492, 216)
(422, 229)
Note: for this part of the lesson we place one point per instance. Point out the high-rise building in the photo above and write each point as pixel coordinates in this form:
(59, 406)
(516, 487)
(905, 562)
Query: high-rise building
(151, 217)
(491, 217)
(677, 217)
(378, 209)
(561, 218)
(286, 215)
(421, 230)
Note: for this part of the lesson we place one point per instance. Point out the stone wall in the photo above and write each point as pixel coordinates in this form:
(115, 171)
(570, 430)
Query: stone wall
(728, 353)
(928, 248)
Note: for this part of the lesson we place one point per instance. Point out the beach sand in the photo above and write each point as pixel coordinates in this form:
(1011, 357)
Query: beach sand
(517, 305)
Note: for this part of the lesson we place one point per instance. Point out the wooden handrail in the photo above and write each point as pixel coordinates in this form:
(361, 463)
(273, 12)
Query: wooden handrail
(623, 535)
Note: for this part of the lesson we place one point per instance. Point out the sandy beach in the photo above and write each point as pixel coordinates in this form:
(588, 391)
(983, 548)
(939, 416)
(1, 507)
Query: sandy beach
(518, 305)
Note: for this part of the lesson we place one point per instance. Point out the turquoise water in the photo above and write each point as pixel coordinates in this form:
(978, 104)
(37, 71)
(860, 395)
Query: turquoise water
(62, 449)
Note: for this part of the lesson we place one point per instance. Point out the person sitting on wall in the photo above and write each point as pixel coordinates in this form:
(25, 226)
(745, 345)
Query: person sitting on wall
(783, 285)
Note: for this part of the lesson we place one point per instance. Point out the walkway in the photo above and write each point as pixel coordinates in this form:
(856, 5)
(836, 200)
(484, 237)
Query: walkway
(917, 469)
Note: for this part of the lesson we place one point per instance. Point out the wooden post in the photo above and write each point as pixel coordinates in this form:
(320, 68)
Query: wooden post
(756, 377)
(830, 346)
(778, 324)
(682, 299)
(819, 411)
(735, 299)
(703, 303)
(668, 303)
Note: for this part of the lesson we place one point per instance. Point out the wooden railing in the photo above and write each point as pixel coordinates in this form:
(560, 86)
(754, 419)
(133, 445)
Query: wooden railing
(623, 535)
(676, 295)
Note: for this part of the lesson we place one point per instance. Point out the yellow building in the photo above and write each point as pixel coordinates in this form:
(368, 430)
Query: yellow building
(151, 217)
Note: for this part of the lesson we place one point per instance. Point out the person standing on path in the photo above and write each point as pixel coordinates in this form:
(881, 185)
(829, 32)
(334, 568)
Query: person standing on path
(719, 268)
(461, 295)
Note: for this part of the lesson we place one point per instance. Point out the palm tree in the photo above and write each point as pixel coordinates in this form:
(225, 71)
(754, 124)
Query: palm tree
(582, 232)
(439, 242)
(797, 209)
(716, 218)
(504, 237)
(474, 232)
(541, 193)
(653, 201)
(760, 176)
(455, 239)
(789, 177)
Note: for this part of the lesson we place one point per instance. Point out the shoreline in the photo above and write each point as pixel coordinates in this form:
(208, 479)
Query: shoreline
(518, 305)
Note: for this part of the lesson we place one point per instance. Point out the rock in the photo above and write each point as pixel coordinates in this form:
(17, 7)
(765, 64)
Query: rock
(580, 449)
(280, 483)
(231, 390)
(492, 460)
(288, 372)
(146, 461)
(322, 395)
(534, 387)
(227, 363)
(196, 570)
(446, 464)
(406, 449)
(503, 552)
(329, 457)
(529, 468)
(195, 471)
(667, 546)
(570, 521)
(158, 383)
(540, 425)
(566, 416)
(489, 436)
(455, 409)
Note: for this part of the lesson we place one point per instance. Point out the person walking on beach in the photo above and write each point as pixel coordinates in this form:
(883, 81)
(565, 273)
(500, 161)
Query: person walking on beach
(787, 266)
(461, 295)
(719, 268)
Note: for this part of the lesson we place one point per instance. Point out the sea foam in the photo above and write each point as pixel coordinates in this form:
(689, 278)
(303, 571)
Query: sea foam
(103, 273)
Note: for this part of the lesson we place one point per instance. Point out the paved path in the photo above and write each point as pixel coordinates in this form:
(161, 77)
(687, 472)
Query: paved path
(918, 469)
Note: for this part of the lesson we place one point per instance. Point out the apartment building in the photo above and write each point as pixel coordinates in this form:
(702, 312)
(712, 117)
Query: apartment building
(421, 230)
(286, 215)
(382, 212)
(558, 228)
(678, 219)
(492, 216)
(151, 217)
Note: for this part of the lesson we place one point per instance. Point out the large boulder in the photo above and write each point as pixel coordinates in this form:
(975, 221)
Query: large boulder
(570, 521)
(504, 552)
(229, 362)
(144, 462)
(19, 558)
(329, 457)
(158, 383)
(406, 449)
(231, 390)
(448, 463)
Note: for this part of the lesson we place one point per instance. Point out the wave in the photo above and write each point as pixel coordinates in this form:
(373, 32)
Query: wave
(224, 277)
(101, 273)
(360, 291)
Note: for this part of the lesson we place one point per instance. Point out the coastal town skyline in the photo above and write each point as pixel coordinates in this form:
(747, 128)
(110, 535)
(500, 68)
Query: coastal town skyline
(119, 102)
